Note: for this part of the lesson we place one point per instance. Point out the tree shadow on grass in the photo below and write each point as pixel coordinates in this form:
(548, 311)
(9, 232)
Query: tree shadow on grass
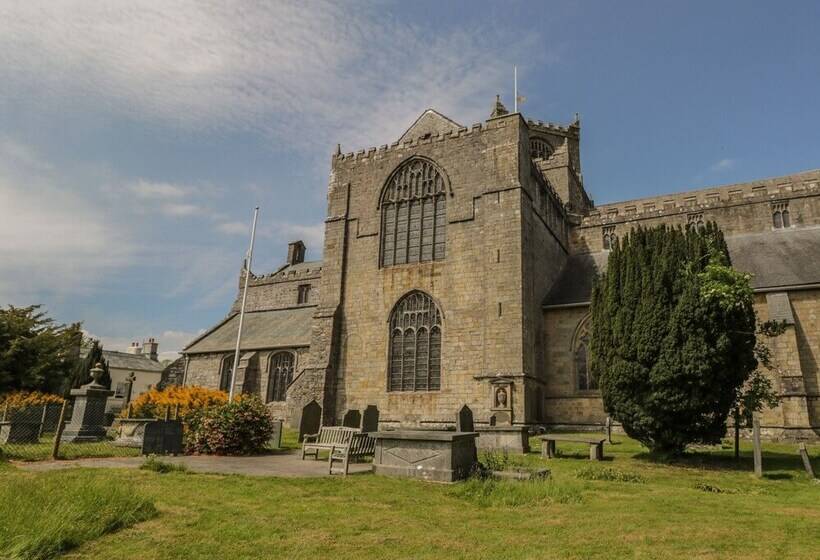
(713, 461)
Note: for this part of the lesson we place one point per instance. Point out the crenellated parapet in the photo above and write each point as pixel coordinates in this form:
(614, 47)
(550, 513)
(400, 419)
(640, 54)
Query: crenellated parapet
(790, 186)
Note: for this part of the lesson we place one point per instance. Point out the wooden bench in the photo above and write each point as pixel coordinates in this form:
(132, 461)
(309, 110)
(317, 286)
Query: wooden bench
(596, 446)
(359, 446)
(328, 438)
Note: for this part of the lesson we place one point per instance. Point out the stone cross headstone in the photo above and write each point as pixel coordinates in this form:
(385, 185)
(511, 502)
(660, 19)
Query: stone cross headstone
(370, 420)
(310, 420)
(352, 419)
(276, 436)
(88, 418)
(129, 389)
(464, 420)
(758, 455)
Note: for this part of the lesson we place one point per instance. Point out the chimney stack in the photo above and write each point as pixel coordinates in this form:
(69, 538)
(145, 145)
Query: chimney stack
(150, 347)
(296, 252)
(135, 348)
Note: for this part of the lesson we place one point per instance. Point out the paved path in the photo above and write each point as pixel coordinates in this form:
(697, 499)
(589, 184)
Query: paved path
(282, 464)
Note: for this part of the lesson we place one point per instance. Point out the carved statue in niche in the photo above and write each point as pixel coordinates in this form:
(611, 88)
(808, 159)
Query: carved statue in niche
(501, 397)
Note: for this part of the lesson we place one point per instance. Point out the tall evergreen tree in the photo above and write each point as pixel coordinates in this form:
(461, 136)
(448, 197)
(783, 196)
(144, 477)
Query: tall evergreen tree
(673, 336)
(36, 354)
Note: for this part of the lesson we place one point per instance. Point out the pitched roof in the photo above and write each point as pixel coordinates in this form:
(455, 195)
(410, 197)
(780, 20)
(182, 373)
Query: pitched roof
(775, 259)
(430, 122)
(261, 330)
(124, 360)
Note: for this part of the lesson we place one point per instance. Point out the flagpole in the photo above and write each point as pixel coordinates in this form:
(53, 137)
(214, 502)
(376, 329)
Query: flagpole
(248, 261)
(515, 89)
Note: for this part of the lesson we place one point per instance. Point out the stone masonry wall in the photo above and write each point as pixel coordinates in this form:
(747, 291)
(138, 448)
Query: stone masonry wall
(477, 285)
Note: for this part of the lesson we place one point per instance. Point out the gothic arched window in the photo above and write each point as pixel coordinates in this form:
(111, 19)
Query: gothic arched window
(584, 380)
(225, 374)
(414, 214)
(280, 374)
(780, 215)
(540, 149)
(415, 344)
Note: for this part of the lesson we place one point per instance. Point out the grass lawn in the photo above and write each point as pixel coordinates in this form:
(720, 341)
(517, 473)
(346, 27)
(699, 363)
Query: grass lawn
(705, 506)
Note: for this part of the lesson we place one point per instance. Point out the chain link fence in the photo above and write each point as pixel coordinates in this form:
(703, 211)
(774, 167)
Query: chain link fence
(79, 426)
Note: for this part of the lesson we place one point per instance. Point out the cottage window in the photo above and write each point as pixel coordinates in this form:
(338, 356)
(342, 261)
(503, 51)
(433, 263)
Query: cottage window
(280, 375)
(414, 214)
(415, 344)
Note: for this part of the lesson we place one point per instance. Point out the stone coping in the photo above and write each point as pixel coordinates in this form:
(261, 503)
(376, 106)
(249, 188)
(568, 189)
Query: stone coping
(424, 435)
(501, 428)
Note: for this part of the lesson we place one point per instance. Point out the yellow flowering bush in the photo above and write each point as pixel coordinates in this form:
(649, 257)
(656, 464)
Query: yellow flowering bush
(23, 399)
(191, 400)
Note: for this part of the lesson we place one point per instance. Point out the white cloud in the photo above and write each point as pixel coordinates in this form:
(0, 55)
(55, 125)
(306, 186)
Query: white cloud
(175, 209)
(150, 190)
(331, 72)
(233, 228)
(51, 238)
(722, 165)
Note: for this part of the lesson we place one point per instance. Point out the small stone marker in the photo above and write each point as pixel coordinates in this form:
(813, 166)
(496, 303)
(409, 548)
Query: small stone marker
(310, 420)
(758, 455)
(804, 454)
(276, 436)
(608, 429)
(464, 420)
(370, 420)
(352, 419)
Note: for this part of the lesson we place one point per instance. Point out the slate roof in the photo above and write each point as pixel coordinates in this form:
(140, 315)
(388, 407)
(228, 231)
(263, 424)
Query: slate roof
(138, 362)
(775, 259)
(261, 329)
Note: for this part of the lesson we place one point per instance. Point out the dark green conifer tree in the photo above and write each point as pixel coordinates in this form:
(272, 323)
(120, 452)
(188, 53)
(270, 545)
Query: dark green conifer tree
(673, 336)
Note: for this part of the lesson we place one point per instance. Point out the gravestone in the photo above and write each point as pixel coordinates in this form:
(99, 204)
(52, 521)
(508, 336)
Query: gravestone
(804, 454)
(275, 440)
(88, 417)
(464, 420)
(21, 425)
(163, 437)
(608, 429)
(370, 420)
(352, 419)
(310, 420)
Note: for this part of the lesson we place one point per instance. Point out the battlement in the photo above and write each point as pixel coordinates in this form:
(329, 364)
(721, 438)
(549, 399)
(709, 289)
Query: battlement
(789, 186)
(570, 130)
(415, 142)
(300, 272)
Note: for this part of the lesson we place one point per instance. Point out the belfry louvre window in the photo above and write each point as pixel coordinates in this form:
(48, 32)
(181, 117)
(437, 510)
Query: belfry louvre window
(780, 215)
(540, 149)
(280, 375)
(414, 214)
(415, 345)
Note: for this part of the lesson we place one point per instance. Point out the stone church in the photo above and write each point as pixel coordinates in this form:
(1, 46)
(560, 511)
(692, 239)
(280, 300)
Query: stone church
(458, 264)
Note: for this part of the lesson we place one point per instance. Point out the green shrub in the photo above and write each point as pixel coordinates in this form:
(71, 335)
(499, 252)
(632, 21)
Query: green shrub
(490, 492)
(241, 427)
(608, 474)
(162, 467)
(46, 515)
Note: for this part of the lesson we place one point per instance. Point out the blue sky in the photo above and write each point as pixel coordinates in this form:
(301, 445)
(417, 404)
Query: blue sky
(135, 138)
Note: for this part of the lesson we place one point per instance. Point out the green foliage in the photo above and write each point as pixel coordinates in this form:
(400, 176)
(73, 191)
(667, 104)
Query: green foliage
(162, 467)
(609, 474)
(493, 460)
(81, 375)
(44, 517)
(35, 353)
(673, 336)
(240, 427)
